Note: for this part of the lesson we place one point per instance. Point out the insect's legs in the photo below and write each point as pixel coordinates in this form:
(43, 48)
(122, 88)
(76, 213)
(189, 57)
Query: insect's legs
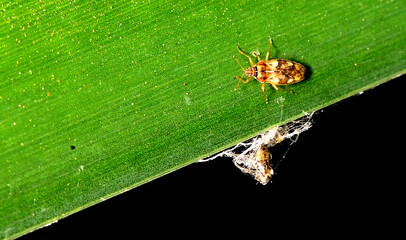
(239, 64)
(256, 54)
(249, 58)
(240, 79)
(269, 49)
(274, 86)
(263, 91)
(277, 89)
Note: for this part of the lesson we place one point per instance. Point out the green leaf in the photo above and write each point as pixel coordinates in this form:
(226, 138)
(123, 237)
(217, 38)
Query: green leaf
(97, 98)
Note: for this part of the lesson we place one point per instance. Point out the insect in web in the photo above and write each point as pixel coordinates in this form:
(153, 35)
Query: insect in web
(256, 157)
(274, 71)
(259, 165)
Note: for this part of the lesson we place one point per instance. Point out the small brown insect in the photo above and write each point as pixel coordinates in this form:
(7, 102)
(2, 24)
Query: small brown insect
(259, 166)
(274, 71)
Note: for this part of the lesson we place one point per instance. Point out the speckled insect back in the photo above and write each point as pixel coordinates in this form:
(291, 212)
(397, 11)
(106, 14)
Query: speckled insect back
(275, 71)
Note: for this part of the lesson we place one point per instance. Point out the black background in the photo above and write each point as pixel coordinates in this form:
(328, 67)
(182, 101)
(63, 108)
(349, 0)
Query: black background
(344, 177)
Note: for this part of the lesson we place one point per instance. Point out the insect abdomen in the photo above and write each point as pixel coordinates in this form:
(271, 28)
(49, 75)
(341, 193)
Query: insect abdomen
(285, 72)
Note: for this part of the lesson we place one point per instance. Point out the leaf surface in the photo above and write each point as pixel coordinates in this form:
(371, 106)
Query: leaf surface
(97, 98)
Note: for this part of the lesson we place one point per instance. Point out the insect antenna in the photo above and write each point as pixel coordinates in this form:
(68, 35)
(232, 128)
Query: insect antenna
(239, 64)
